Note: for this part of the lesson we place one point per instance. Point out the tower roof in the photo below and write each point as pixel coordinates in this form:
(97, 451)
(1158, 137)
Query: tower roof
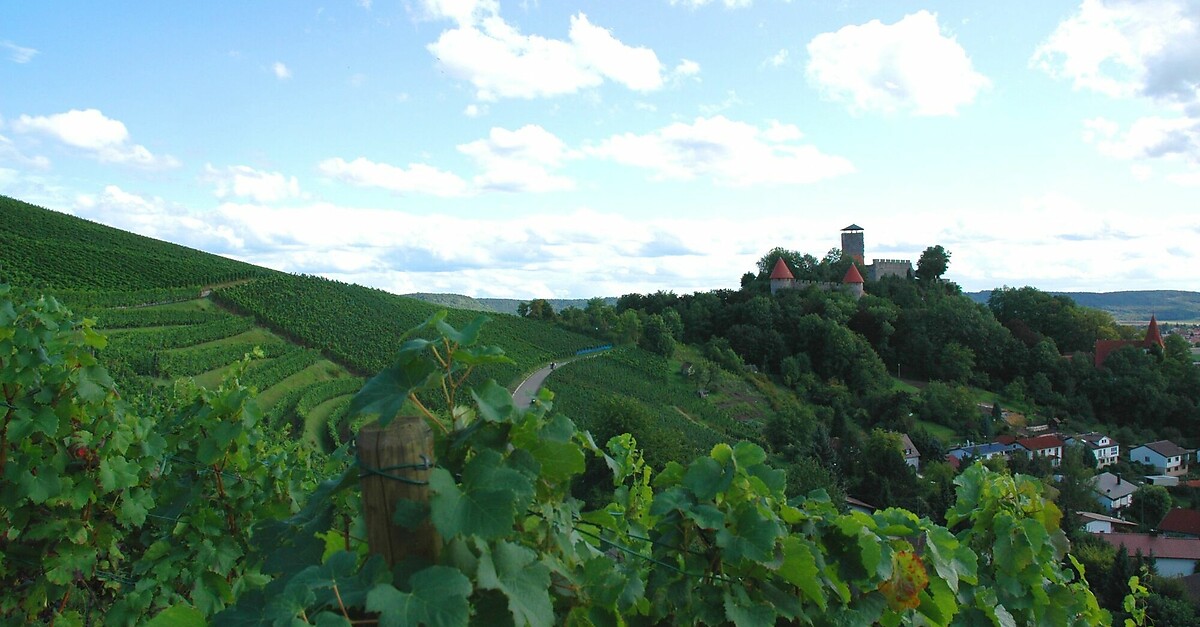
(853, 275)
(781, 270)
(1152, 334)
(853, 227)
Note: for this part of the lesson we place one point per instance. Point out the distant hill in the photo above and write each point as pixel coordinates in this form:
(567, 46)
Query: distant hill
(499, 305)
(1133, 306)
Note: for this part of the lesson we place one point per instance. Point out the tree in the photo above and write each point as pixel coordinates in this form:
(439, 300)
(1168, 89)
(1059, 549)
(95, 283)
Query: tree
(1150, 504)
(932, 264)
(656, 337)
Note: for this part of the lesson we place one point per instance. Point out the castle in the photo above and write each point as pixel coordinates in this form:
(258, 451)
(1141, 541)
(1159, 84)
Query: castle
(852, 246)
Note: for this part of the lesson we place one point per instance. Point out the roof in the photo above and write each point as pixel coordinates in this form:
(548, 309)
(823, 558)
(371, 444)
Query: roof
(781, 271)
(908, 445)
(1166, 448)
(983, 450)
(1103, 518)
(1181, 520)
(1170, 548)
(1112, 486)
(1104, 347)
(1093, 439)
(1041, 442)
(1152, 334)
(851, 501)
(853, 227)
(853, 275)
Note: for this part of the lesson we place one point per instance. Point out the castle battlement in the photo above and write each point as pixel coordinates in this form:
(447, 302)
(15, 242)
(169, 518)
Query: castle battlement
(904, 261)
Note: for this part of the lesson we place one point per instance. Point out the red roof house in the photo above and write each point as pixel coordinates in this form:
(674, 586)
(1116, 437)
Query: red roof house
(1181, 522)
(1104, 348)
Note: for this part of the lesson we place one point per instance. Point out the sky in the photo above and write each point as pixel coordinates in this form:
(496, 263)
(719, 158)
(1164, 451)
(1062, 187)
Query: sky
(526, 149)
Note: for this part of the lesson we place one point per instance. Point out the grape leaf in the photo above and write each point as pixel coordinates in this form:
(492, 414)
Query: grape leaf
(437, 598)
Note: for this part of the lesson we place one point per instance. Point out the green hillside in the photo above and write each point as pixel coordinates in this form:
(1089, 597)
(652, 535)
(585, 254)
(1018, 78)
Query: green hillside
(156, 303)
(47, 249)
(1132, 306)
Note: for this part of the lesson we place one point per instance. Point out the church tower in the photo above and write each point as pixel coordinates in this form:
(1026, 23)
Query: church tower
(852, 243)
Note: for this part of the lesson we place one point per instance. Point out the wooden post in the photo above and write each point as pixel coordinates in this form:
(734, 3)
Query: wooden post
(395, 463)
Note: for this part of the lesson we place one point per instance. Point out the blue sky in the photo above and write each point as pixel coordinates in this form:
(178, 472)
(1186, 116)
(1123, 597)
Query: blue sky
(574, 149)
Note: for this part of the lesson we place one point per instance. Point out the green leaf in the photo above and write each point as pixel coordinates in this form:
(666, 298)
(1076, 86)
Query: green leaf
(469, 334)
(745, 613)
(495, 403)
(800, 569)
(486, 505)
(387, 391)
(515, 571)
(178, 616)
(93, 384)
(437, 598)
(706, 478)
(748, 454)
(40, 487)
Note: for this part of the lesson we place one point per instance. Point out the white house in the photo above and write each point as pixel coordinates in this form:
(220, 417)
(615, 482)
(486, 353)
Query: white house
(1112, 492)
(1044, 446)
(1173, 557)
(912, 456)
(1166, 456)
(1099, 523)
(1103, 448)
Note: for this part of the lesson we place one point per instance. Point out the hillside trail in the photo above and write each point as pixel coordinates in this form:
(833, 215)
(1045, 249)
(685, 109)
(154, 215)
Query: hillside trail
(523, 395)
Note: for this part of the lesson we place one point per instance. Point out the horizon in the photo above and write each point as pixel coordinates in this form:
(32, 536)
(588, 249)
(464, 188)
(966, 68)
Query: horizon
(527, 150)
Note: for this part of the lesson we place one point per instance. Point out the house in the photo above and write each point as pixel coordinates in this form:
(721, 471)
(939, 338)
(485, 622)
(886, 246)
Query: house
(1173, 557)
(1099, 523)
(1103, 448)
(1044, 446)
(1104, 347)
(912, 456)
(856, 505)
(1181, 523)
(1166, 456)
(1166, 481)
(984, 451)
(1112, 492)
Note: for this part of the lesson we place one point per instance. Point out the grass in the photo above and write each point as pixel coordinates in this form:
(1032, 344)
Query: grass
(323, 370)
(941, 432)
(315, 423)
(901, 385)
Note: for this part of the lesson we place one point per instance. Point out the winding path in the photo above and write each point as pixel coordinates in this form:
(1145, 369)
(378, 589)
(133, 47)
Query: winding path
(525, 392)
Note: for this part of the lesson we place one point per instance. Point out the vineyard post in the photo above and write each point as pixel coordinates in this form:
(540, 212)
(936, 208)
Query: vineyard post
(394, 466)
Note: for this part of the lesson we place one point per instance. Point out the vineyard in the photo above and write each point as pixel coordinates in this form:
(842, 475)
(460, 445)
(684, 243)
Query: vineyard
(46, 249)
(361, 327)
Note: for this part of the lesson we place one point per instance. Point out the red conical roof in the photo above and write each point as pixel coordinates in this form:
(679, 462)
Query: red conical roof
(853, 275)
(1152, 334)
(781, 270)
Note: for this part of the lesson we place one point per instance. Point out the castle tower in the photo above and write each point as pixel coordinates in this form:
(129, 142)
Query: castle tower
(853, 281)
(1153, 336)
(852, 243)
(781, 277)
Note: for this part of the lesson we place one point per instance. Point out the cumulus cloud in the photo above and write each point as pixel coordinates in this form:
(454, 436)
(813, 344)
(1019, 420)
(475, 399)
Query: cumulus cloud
(907, 66)
(417, 178)
(501, 62)
(520, 160)
(726, 151)
(1148, 49)
(242, 181)
(281, 71)
(778, 59)
(90, 130)
(9, 153)
(18, 54)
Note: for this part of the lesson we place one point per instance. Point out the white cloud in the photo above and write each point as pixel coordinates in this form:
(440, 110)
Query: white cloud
(154, 217)
(89, 129)
(500, 62)
(1123, 48)
(778, 59)
(281, 71)
(726, 151)
(18, 54)
(418, 178)
(475, 110)
(1148, 49)
(245, 182)
(520, 160)
(9, 153)
(906, 66)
